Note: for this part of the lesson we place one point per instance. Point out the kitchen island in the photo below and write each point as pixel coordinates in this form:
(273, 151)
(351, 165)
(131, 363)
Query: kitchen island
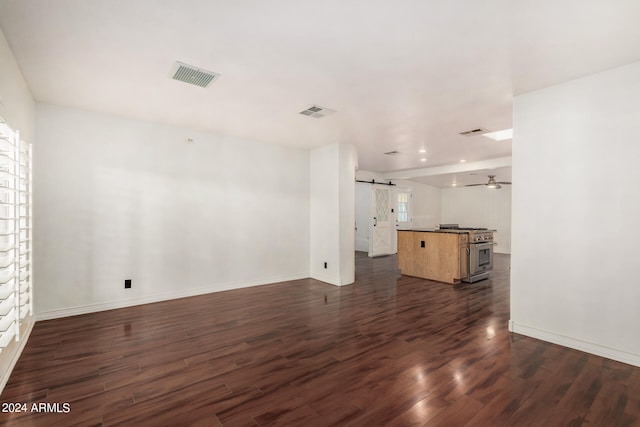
(440, 255)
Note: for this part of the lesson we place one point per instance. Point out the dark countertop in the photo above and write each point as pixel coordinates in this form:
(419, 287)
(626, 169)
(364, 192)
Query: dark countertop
(434, 230)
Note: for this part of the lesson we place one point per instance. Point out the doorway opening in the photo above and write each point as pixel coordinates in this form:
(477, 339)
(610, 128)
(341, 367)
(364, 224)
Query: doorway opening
(380, 210)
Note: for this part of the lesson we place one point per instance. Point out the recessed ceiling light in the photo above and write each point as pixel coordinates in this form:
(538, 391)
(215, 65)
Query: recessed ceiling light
(500, 135)
(462, 160)
(423, 159)
(454, 185)
(422, 150)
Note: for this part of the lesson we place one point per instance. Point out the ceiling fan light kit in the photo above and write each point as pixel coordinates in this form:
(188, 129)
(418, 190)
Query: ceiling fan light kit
(492, 183)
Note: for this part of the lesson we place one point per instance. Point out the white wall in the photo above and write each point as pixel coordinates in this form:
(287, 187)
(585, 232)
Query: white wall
(426, 203)
(576, 212)
(363, 215)
(120, 199)
(16, 103)
(347, 165)
(332, 218)
(17, 108)
(480, 207)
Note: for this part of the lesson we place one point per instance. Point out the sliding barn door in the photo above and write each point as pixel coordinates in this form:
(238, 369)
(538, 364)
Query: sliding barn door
(382, 222)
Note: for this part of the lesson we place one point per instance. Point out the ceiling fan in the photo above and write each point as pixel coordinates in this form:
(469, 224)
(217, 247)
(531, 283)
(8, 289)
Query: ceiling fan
(492, 183)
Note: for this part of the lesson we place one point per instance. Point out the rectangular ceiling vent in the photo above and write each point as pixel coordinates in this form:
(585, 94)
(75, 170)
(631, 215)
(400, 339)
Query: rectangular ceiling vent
(392, 153)
(193, 75)
(317, 111)
(474, 132)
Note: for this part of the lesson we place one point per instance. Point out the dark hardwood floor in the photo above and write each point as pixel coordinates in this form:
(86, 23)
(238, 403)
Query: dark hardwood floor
(388, 350)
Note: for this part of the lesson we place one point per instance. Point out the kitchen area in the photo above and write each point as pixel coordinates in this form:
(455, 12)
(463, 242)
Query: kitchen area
(453, 233)
(449, 253)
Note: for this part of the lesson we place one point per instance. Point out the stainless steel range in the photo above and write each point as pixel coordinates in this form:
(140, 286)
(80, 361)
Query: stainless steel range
(480, 251)
(480, 254)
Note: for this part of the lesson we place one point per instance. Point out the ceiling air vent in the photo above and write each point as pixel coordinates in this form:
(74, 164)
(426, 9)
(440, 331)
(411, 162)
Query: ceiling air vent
(392, 153)
(474, 132)
(316, 111)
(192, 75)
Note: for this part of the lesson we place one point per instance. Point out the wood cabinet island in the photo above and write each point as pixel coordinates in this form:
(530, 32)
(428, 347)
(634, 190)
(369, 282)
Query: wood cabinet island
(433, 254)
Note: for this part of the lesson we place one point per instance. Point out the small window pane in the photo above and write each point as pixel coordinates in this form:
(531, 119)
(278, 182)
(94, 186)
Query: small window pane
(403, 207)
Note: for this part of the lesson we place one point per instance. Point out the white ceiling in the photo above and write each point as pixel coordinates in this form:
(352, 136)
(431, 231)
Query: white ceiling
(460, 179)
(402, 75)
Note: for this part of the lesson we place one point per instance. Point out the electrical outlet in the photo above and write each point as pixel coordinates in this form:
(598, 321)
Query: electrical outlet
(127, 283)
(325, 265)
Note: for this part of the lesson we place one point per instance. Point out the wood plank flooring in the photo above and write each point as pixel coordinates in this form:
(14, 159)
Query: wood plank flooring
(388, 350)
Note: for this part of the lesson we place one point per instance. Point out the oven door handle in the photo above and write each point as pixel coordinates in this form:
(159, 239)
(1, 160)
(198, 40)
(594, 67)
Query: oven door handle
(481, 245)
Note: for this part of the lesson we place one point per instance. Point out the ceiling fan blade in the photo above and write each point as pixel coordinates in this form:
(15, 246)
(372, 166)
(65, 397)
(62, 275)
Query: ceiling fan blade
(473, 185)
(503, 182)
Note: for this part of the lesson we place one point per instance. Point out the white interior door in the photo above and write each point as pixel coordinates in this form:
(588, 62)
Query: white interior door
(383, 221)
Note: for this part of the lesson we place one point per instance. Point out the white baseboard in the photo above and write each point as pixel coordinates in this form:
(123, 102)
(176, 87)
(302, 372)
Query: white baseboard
(577, 344)
(4, 376)
(148, 299)
(326, 279)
